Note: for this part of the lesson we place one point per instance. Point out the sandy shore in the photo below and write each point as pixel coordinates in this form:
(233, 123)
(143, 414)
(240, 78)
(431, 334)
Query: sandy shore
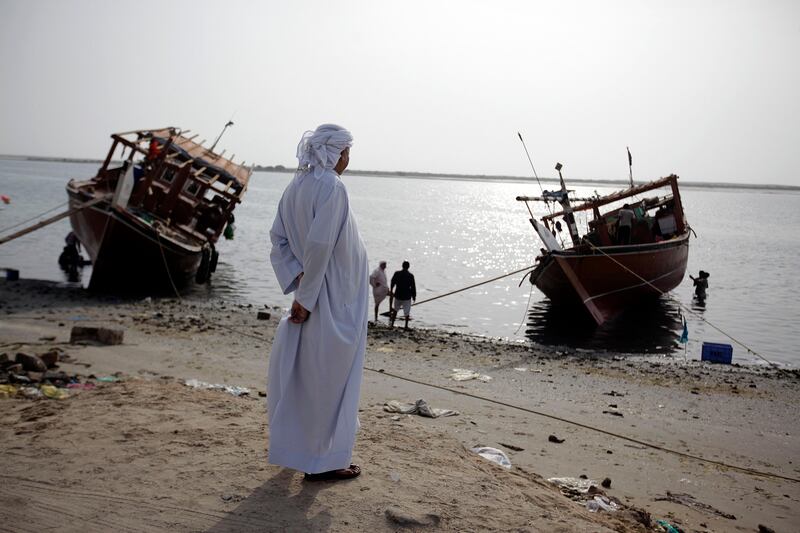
(148, 453)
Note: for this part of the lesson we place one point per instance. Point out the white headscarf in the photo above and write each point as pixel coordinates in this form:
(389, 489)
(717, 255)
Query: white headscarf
(320, 149)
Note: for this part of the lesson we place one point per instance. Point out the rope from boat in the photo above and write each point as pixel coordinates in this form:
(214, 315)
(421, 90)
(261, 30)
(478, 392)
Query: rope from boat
(690, 311)
(472, 286)
(534, 174)
(59, 206)
(166, 266)
(527, 306)
(562, 419)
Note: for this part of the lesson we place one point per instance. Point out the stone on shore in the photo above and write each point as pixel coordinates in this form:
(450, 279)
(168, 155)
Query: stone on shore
(31, 362)
(94, 334)
(51, 357)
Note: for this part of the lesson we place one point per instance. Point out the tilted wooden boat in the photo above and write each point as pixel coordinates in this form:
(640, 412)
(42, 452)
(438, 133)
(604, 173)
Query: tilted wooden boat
(600, 273)
(151, 222)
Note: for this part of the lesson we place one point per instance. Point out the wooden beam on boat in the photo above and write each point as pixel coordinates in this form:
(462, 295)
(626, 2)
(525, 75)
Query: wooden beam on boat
(619, 195)
(542, 199)
(199, 171)
(580, 289)
(54, 218)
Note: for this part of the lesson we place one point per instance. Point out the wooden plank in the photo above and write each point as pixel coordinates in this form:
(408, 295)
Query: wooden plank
(142, 131)
(50, 220)
(187, 139)
(598, 316)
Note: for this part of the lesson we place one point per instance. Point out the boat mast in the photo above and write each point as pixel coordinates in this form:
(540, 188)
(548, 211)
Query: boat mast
(567, 208)
(230, 123)
(630, 165)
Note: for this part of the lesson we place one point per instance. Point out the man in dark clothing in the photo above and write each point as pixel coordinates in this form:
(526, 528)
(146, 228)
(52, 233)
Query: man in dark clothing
(404, 290)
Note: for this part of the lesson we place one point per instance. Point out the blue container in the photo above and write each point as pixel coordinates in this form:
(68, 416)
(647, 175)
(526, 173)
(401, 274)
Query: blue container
(717, 353)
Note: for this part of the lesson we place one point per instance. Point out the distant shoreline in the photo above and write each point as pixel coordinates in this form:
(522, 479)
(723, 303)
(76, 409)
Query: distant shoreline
(456, 177)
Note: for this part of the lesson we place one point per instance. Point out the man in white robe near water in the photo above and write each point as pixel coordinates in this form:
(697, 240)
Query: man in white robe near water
(317, 356)
(380, 286)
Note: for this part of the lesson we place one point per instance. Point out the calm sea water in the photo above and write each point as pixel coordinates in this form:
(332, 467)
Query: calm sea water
(456, 233)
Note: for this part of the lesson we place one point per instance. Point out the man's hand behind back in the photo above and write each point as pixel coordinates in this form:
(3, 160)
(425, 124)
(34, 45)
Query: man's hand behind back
(298, 314)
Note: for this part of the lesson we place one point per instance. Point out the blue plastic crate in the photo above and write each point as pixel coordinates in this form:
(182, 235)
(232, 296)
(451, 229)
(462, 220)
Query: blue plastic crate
(717, 353)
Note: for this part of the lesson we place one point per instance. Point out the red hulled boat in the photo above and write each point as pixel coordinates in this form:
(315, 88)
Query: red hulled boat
(607, 270)
(152, 220)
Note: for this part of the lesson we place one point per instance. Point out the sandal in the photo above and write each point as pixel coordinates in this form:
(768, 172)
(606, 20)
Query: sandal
(335, 475)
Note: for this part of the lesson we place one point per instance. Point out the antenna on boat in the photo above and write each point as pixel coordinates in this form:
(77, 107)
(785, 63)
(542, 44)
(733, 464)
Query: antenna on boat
(230, 123)
(630, 165)
(530, 161)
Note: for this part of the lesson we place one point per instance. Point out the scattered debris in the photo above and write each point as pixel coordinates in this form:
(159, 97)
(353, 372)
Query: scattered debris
(606, 483)
(494, 455)
(614, 393)
(420, 408)
(690, 501)
(230, 389)
(573, 487)
(511, 447)
(601, 503)
(462, 374)
(52, 392)
(263, 315)
(615, 413)
(105, 336)
(764, 529)
(669, 528)
(553, 438)
(85, 386)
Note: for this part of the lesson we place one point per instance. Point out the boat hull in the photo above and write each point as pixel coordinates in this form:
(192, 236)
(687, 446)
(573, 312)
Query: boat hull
(605, 283)
(127, 254)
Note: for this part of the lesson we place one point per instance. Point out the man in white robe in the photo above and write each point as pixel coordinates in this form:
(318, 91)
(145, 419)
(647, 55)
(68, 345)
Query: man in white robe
(317, 356)
(380, 286)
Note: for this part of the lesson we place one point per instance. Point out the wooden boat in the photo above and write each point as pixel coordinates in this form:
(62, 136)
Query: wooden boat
(151, 222)
(597, 271)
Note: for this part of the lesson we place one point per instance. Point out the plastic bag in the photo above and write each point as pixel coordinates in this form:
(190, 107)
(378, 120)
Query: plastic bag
(601, 503)
(463, 374)
(230, 389)
(494, 455)
(573, 483)
(54, 393)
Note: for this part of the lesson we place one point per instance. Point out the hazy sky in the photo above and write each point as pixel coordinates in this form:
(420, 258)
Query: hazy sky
(707, 90)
